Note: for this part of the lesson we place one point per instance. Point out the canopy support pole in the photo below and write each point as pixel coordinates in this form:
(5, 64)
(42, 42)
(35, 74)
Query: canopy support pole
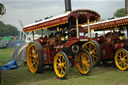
(42, 32)
(77, 27)
(33, 35)
(47, 33)
(89, 31)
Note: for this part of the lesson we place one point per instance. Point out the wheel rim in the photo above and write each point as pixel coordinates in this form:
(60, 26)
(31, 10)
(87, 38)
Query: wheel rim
(121, 59)
(60, 65)
(91, 48)
(83, 62)
(32, 58)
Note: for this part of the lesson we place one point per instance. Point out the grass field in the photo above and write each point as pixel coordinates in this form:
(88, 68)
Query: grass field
(101, 75)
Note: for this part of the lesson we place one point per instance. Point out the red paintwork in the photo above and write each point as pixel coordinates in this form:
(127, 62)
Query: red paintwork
(51, 53)
(120, 45)
(45, 56)
(106, 51)
(73, 62)
(69, 43)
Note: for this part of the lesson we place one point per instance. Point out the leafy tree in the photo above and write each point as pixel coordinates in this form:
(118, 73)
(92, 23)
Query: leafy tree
(8, 30)
(120, 12)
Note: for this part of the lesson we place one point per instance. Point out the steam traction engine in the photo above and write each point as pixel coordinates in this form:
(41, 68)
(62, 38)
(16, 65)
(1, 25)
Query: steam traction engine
(112, 40)
(61, 43)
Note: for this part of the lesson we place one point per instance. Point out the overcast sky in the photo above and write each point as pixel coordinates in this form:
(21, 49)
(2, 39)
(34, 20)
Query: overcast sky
(30, 10)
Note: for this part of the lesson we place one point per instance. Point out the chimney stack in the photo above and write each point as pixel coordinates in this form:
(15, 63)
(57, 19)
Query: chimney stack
(126, 7)
(68, 7)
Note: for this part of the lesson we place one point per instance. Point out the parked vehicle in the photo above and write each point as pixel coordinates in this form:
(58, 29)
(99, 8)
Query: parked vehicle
(18, 42)
(3, 44)
(61, 47)
(113, 44)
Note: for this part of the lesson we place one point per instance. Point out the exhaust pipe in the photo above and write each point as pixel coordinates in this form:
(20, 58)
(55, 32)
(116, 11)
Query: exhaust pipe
(68, 7)
(126, 7)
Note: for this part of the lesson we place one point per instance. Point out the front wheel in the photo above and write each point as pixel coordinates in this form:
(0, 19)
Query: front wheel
(93, 48)
(121, 59)
(34, 57)
(61, 65)
(84, 62)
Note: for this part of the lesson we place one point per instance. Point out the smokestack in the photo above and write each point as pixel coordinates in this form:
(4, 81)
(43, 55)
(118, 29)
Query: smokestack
(68, 6)
(126, 7)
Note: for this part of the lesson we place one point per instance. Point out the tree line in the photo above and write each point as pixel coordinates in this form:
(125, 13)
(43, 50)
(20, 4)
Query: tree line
(119, 12)
(8, 30)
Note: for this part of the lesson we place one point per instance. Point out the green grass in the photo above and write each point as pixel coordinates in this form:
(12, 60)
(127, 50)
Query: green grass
(101, 75)
(5, 55)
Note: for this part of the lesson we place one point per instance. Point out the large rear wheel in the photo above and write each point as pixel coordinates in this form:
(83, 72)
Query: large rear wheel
(93, 48)
(34, 57)
(121, 59)
(84, 62)
(61, 65)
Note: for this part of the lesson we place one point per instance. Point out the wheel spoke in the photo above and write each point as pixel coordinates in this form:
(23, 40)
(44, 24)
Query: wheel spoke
(57, 66)
(59, 60)
(126, 60)
(125, 63)
(87, 66)
(94, 51)
(121, 59)
(123, 54)
(63, 60)
(64, 67)
(90, 46)
(94, 56)
(31, 65)
(86, 47)
(62, 71)
(83, 67)
(121, 64)
(33, 57)
(83, 63)
(60, 65)
(82, 58)
(36, 61)
(126, 56)
(120, 55)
